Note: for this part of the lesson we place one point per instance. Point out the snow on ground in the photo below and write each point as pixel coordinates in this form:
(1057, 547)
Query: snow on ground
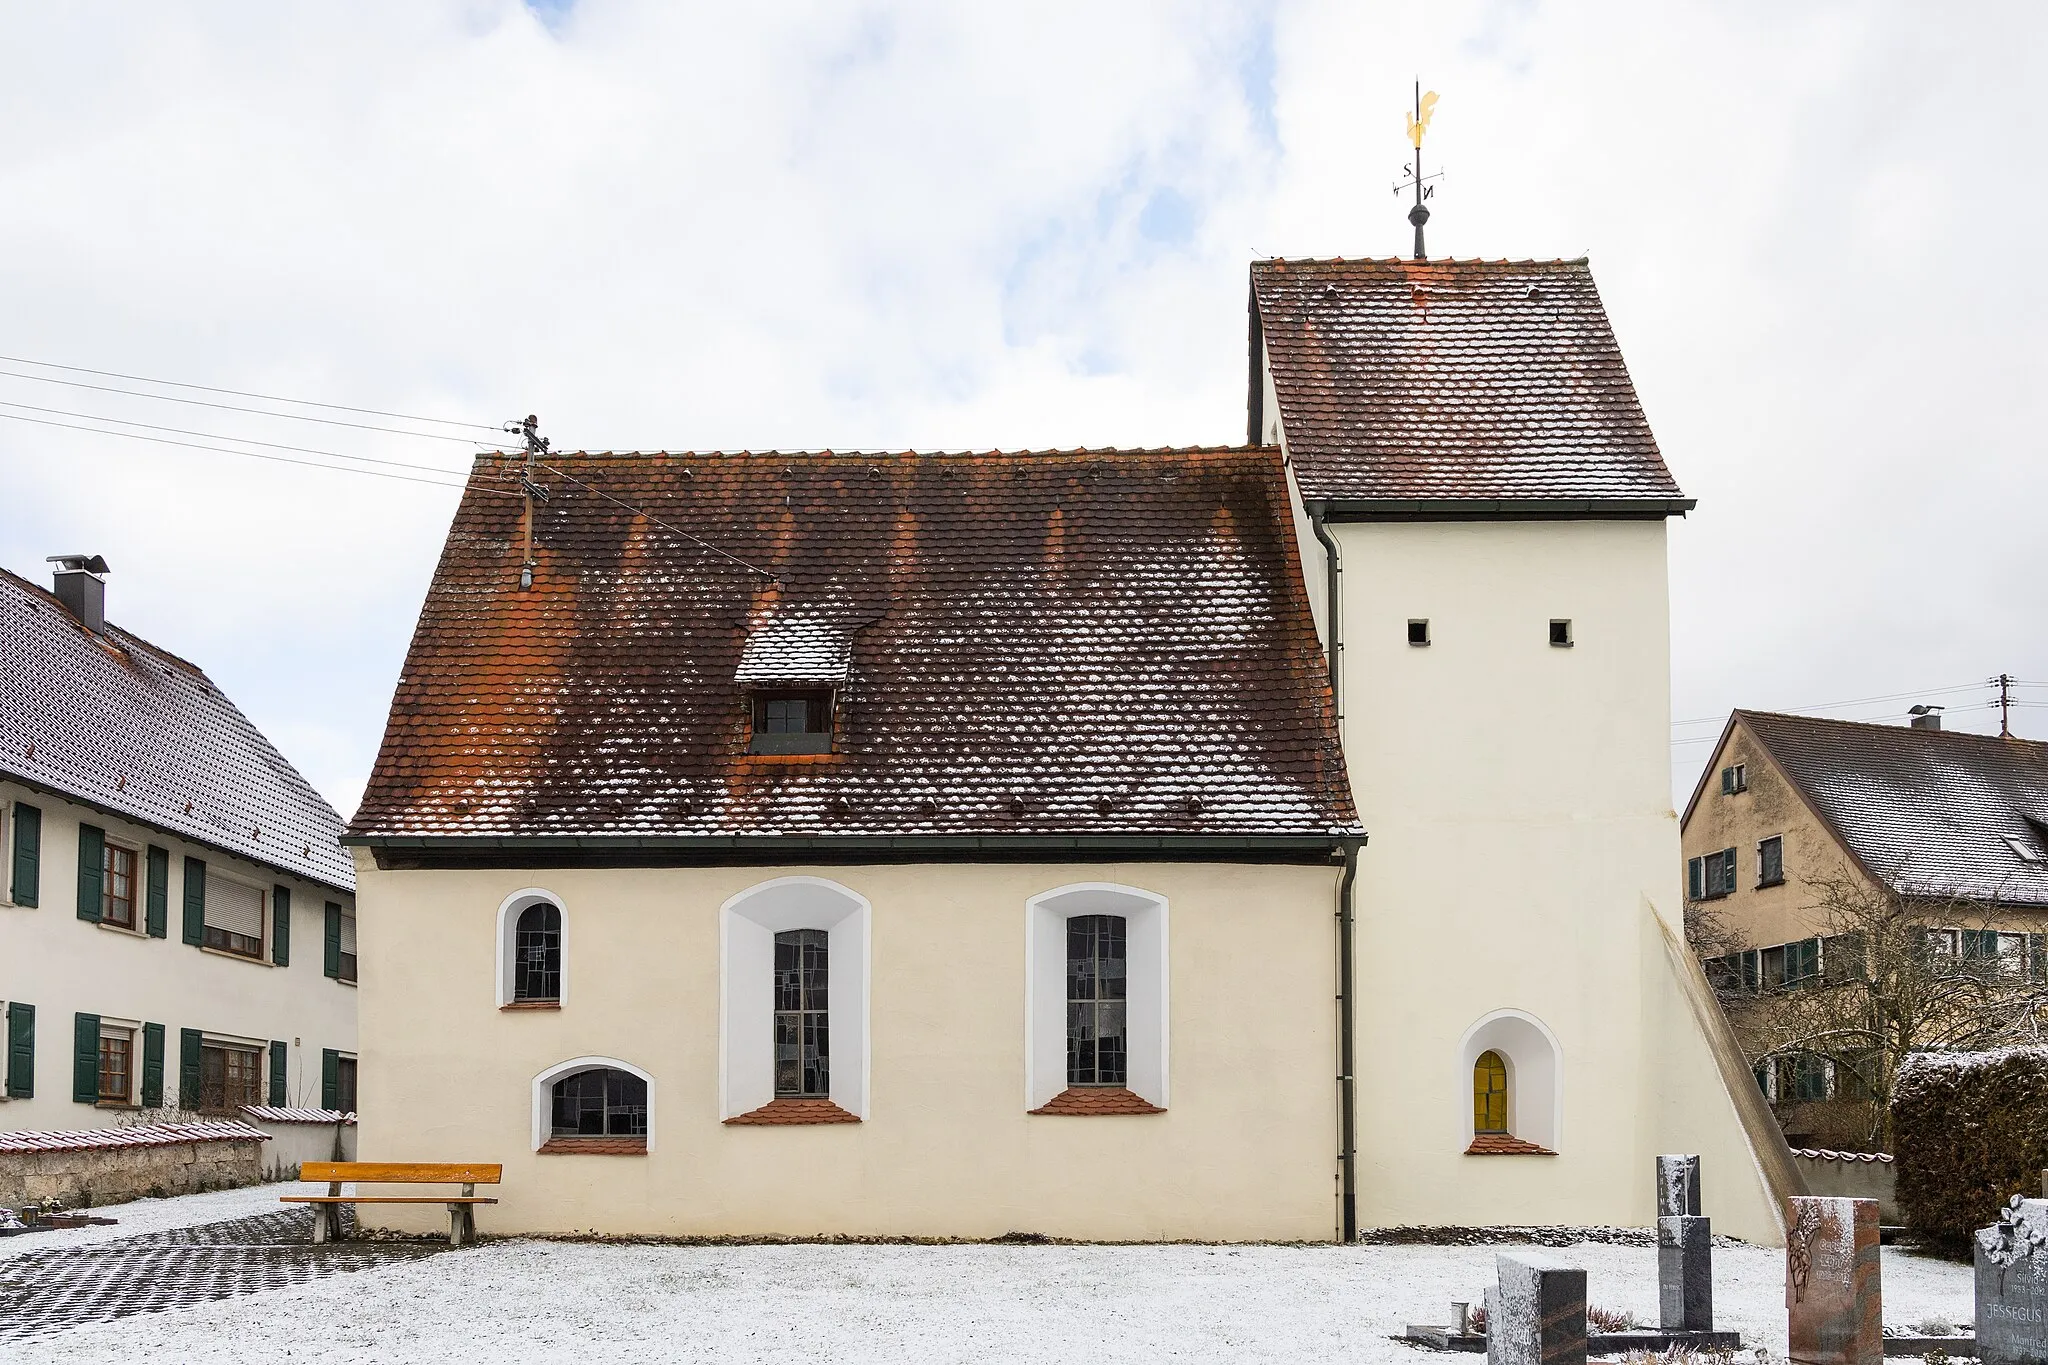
(156, 1215)
(551, 1301)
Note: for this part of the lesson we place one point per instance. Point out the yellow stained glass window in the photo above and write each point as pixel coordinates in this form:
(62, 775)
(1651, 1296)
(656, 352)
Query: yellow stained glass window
(1489, 1094)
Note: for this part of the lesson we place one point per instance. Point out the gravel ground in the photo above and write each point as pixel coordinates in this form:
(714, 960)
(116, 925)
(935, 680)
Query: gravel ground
(548, 1301)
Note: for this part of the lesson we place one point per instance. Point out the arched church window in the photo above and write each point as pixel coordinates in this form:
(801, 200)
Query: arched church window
(537, 953)
(1489, 1094)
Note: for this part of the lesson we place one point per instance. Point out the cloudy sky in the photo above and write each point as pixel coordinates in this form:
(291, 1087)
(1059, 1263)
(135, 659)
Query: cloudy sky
(1817, 228)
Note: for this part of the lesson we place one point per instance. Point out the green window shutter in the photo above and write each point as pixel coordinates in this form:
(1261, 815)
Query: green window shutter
(92, 871)
(1695, 882)
(159, 891)
(188, 1068)
(332, 966)
(152, 1066)
(280, 1058)
(281, 927)
(21, 1051)
(195, 900)
(330, 1078)
(28, 856)
(85, 1058)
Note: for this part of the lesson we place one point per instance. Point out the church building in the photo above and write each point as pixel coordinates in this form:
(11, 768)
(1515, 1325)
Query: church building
(1258, 842)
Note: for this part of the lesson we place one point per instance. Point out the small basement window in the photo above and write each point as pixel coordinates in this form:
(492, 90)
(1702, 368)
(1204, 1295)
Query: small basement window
(792, 721)
(1561, 632)
(1418, 632)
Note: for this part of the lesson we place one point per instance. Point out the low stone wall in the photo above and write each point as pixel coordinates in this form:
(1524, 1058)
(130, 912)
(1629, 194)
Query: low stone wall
(292, 1144)
(113, 1175)
(1851, 1175)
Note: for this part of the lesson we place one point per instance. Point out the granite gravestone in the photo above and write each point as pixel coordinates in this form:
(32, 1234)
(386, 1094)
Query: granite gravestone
(2012, 1286)
(1833, 1290)
(1685, 1249)
(1536, 1314)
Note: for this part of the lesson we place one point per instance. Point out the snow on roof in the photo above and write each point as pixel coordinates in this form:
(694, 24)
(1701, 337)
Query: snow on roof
(112, 721)
(1099, 643)
(1428, 381)
(1827, 1154)
(272, 1113)
(139, 1135)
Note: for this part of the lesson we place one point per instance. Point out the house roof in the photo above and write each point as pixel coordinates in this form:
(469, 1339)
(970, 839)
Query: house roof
(138, 1135)
(1067, 643)
(112, 721)
(1475, 382)
(1930, 812)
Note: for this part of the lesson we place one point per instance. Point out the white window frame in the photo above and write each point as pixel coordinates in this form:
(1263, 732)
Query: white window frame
(544, 1093)
(509, 911)
(747, 926)
(133, 1028)
(1148, 973)
(1535, 1066)
(264, 891)
(138, 887)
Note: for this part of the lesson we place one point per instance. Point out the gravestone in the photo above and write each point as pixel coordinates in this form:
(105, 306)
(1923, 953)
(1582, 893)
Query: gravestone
(1833, 1289)
(2012, 1286)
(1685, 1249)
(1678, 1186)
(1536, 1314)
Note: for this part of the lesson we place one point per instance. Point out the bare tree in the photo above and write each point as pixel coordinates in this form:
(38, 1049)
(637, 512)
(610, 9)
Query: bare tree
(1892, 973)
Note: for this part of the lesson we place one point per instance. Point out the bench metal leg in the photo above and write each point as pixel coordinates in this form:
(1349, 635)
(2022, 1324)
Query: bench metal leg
(461, 1225)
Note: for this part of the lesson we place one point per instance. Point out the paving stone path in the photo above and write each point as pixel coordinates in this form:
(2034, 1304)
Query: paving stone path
(47, 1291)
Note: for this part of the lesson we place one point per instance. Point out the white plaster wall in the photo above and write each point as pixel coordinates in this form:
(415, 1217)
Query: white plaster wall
(1245, 1151)
(64, 965)
(1517, 797)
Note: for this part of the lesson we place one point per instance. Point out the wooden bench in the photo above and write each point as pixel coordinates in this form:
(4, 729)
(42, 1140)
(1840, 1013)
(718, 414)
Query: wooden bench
(461, 1208)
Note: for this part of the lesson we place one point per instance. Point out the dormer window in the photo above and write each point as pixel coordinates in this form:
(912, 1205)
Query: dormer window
(792, 721)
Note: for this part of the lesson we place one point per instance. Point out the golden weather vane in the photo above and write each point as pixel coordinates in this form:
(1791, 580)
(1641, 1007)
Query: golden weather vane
(1412, 177)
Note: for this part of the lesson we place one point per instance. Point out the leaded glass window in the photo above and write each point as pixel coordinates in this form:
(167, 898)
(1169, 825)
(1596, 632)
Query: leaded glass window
(603, 1102)
(802, 1032)
(1098, 1051)
(1489, 1094)
(537, 953)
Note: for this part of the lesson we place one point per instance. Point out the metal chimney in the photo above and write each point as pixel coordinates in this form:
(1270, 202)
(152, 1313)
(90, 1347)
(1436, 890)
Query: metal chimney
(1925, 717)
(82, 590)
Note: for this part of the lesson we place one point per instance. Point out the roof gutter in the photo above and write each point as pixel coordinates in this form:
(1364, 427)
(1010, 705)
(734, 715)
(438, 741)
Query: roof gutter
(673, 850)
(1506, 509)
(1333, 568)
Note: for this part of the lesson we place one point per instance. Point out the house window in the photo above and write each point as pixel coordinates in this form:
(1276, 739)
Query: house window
(1489, 1094)
(229, 1077)
(347, 970)
(536, 954)
(803, 1039)
(1735, 779)
(234, 916)
(1941, 944)
(117, 886)
(345, 1085)
(1711, 875)
(1793, 964)
(1770, 861)
(1097, 1046)
(1418, 632)
(117, 1065)
(1802, 1079)
(1993, 953)
(602, 1102)
(1560, 633)
(797, 721)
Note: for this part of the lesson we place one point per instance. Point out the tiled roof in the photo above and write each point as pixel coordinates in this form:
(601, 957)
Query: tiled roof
(1503, 1144)
(140, 1135)
(1069, 643)
(1471, 381)
(1828, 1154)
(790, 1110)
(272, 1113)
(115, 722)
(1931, 812)
(1081, 1101)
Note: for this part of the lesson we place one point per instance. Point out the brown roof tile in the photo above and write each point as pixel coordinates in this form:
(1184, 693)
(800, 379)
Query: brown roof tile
(1468, 381)
(1084, 642)
(791, 1110)
(1083, 1100)
(1501, 1144)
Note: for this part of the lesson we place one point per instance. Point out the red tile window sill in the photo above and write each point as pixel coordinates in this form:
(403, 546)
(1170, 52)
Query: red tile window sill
(531, 1005)
(594, 1146)
(1503, 1144)
(788, 1110)
(1088, 1101)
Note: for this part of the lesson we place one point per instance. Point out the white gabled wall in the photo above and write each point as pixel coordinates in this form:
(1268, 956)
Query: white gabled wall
(1517, 799)
(64, 966)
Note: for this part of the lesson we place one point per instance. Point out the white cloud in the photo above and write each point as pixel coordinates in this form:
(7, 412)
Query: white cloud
(801, 225)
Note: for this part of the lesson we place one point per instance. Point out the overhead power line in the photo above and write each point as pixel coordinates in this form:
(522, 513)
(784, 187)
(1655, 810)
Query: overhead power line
(259, 412)
(243, 393)
(216, 436)
(258, 455)
(1854, 701)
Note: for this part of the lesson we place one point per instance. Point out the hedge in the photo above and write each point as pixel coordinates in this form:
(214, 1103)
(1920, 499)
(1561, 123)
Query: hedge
(1969, 1131)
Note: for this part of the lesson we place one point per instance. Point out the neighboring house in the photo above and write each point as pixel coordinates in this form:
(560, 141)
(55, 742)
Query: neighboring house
(176, 919)
(964, 844)
(1796, 817)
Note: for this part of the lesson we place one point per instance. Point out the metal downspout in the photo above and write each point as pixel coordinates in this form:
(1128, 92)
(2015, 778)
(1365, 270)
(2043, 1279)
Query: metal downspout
(1347, 1075)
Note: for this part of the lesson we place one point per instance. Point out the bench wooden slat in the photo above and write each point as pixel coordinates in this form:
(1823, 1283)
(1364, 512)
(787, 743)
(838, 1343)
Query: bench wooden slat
(404, 1172)
(382, 1199)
